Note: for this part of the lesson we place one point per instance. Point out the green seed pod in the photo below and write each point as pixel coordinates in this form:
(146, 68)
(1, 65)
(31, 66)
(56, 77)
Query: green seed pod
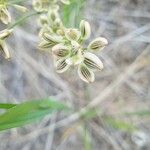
(60, 50)
(85, 74)
(75, 46)
(72, 34)
(98, 44)
(46, 45)
(20, 8)
(61, 65)
(52, 38)
(92, 61)
(4, 49)
(5, 33)
(85, 29)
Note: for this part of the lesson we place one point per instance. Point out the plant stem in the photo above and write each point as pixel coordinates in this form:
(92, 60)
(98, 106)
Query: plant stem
(16, 1)
(20, 20)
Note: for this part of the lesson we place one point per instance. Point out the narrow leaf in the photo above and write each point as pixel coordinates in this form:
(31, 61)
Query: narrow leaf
(6, 106)
(28, 112)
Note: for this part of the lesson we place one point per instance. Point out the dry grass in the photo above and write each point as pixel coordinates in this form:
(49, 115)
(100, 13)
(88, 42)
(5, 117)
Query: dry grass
(123, 85)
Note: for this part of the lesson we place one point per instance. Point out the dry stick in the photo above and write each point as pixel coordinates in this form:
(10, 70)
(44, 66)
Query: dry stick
(50, 137)
(128, 37)
(100, 98)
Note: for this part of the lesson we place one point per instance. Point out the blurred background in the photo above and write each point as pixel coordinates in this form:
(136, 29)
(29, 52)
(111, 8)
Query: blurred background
(121, 92)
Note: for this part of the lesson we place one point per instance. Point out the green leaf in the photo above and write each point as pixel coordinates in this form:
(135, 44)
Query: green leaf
(6, 106)
(28, 112)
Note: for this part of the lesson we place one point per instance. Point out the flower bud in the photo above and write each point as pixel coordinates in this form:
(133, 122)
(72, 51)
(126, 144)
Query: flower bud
(72, 34)
(98, 44)
(92, 61)
(60, 50)
(85, 74)
(85, 29)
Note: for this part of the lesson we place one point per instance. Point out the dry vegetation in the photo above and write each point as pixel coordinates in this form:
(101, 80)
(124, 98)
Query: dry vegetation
(122, 87)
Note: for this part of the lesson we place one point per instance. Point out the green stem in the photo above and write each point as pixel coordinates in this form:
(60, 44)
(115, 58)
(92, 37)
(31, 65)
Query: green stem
(20, 20)
(16, 1)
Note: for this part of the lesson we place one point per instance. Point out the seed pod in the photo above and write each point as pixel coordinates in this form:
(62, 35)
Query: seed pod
(61, 65)
(98, 44)
(85, 74)
(75, 46)
(67, 2)
(45, 44)
(52, 38)
(4, 49)
(72, 34)
(5, 33)
(85, 29)
(20, 8)
(60, 50)
(92, 61)
(5, 16)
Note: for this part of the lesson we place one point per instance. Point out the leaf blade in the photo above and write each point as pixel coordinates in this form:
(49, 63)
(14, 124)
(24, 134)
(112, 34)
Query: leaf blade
(28, 112)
